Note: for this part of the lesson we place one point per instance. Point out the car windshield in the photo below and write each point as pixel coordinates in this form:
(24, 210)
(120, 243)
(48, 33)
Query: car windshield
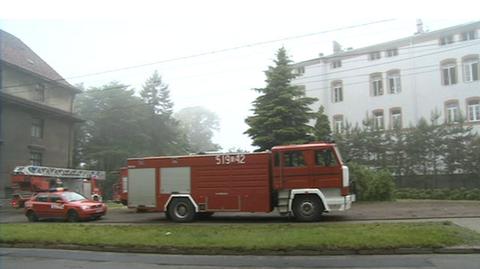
(73, 196)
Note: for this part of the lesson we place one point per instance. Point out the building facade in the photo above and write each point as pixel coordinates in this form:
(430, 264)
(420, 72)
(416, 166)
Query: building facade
(396, 83)
(36, 119)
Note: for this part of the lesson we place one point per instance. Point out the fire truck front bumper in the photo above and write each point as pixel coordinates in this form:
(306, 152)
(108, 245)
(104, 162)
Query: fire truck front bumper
(341, 203)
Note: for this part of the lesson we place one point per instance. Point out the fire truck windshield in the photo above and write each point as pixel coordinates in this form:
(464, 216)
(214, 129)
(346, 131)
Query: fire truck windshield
(73, 196)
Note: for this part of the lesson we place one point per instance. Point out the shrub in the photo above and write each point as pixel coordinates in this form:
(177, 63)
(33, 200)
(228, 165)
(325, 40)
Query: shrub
(372, 185)
(438, 194)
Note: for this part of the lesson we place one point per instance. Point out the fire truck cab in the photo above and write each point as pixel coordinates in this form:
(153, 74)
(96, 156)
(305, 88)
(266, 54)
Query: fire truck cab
(303, 180)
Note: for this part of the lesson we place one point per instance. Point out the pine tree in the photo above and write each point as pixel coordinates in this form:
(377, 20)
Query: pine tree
(157, 94)
(281, 112)
(164, 131)
(322, 130)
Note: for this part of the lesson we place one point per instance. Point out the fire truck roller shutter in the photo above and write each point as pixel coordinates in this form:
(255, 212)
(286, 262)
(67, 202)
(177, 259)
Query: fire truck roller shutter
(142, 192)
(175, 180)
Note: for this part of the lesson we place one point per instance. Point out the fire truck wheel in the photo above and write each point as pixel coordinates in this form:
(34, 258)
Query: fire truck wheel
(307, 208)
(181, 210)
(72, 216)
(32, 217)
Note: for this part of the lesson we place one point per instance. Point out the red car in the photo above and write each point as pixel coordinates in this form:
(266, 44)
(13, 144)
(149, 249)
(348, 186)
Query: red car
(67, 205)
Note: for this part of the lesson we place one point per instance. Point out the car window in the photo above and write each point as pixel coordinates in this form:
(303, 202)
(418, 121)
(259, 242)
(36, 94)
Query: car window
(73, 196)
(293, 159)
(325, 157)
(42, 198)
(55, 198)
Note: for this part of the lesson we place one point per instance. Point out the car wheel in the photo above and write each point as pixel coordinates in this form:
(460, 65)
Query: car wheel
(72, 216)
(31, 216)
(307, 208)
(181, 210)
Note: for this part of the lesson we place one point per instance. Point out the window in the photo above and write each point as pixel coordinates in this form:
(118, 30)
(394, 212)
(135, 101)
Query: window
(42, 198)
(293, 159)
(336, 64)
(37, 128)
(374, 55)
(338, 124)
(299, 70)
(55, 198)
(396, 118)
(470, 35)
(378, 121)
(452, 111)
(394, 82)
(337, 92)
(470, 68)
(325, 157)
(449, 72)
(391, 52)
(473, 108)
(376, 84)
(446, 40)
(36, 158)
(39, 93)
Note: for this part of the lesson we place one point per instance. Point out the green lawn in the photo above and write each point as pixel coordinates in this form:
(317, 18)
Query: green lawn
(249, 237)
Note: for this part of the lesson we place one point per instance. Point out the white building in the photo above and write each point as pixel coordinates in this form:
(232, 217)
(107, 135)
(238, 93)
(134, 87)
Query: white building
(396, 83)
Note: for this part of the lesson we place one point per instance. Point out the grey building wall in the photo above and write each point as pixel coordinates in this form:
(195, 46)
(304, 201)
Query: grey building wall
(56, 145)
(17, 142)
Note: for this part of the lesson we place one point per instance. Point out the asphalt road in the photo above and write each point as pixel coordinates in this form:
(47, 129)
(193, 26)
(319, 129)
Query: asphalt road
(53, 259)
(401, 210)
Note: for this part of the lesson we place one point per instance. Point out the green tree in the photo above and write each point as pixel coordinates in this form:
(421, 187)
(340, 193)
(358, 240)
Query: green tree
(110, 134)
(157, 94)
(198, 124)
(281, 112)
(165, 135)
(322, 130)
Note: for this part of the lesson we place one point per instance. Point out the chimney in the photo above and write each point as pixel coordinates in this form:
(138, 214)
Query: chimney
(336, 47)
(419, 27)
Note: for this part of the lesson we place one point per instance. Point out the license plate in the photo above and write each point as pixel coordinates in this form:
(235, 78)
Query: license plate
(99, 210)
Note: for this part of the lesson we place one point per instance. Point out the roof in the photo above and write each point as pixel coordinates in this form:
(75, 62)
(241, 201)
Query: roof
(304, 146)
(425, 36)
(15, 53)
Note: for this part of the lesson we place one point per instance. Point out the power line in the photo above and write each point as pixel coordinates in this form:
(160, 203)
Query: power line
(215, 51)
(302, 78)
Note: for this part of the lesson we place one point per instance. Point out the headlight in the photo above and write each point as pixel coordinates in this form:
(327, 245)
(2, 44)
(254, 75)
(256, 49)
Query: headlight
(85, 207)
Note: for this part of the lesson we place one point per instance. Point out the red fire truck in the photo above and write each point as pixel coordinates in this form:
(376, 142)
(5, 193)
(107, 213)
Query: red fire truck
(120, 193)
(27, 180)
(303, 180)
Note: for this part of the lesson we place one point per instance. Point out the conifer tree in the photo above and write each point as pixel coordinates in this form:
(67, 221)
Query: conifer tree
(281, 112)
(322, 130)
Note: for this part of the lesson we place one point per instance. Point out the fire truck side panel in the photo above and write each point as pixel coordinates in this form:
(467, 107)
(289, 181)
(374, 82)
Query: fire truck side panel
(234, 187)
(226, 182)
(142, 187)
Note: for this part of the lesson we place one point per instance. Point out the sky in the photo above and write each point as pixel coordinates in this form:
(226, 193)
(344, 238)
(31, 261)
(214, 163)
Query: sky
(210, 53)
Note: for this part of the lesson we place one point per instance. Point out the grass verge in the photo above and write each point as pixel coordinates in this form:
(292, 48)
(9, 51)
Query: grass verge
(244, 238)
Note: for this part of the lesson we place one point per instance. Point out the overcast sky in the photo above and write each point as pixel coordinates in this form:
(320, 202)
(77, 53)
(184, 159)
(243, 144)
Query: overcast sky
(83, 37)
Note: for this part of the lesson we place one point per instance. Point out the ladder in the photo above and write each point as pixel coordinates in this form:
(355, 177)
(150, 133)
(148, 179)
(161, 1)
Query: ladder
(32, 170)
